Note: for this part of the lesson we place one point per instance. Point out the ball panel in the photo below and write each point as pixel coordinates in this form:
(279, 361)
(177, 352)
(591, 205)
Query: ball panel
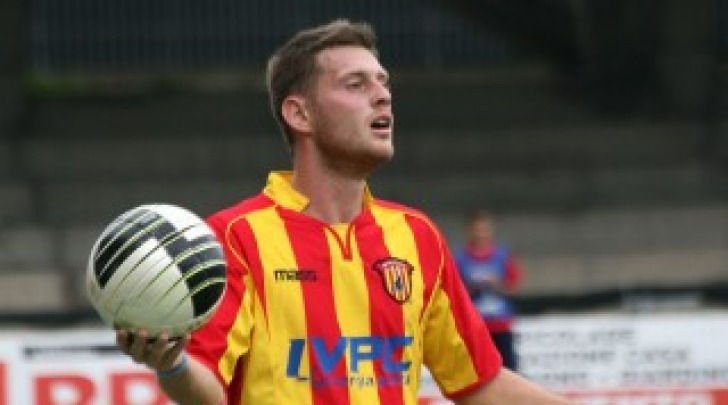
(207, 295)
(170, 316)
(180, 320)
(162, 252)
(182, 243)
(126, 243)
(211, 269)
(205, 252)
(134, 274)
(117, 229)
(179, 217)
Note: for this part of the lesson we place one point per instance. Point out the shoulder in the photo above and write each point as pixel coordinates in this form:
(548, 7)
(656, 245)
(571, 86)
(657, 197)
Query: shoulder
(223, 218)
(413, 216)
(231, 226)
(460, 254)
(409, 212)
(502, 249)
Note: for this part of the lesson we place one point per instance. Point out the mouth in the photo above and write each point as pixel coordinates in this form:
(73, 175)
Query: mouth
(382, 125)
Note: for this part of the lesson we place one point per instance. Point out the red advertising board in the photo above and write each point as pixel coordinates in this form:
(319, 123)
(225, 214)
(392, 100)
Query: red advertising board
(3, 384)
(115, 388)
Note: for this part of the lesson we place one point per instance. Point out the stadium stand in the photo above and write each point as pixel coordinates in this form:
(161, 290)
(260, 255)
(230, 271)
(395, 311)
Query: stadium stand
(593, 200)
(591, 206)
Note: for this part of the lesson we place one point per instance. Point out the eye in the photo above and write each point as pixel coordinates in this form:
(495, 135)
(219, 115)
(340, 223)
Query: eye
(355, 85)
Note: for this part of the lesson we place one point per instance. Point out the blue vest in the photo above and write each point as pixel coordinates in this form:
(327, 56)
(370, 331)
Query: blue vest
(491, 304)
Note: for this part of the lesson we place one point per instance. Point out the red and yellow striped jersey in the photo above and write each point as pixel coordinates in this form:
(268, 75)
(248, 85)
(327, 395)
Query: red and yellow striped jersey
(339, 314)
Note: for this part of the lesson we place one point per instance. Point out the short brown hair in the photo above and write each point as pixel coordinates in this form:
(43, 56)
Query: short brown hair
(477, 215)
(292, 67)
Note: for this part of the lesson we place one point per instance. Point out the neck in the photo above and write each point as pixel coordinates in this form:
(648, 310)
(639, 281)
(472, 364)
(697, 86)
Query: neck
(333, 198)
(480, 249)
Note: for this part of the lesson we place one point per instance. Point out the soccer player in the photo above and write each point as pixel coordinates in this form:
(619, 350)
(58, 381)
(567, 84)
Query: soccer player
(334, 296)
(491, 274)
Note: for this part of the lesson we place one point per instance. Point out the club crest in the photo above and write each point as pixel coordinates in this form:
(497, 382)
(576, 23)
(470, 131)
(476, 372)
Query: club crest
(396, 277)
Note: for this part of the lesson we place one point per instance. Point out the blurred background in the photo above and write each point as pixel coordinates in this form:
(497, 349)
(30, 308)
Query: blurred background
(596, 131)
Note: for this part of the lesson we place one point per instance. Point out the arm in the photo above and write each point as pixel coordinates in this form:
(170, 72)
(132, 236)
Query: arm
(514, 275)
(507, 285)
(194, 384)
(509, 388)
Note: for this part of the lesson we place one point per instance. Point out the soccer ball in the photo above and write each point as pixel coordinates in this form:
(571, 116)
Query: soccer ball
(158, 267)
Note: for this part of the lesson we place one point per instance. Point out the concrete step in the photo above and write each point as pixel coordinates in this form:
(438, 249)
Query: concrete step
(41, 290)
(450, 104)
(564, 274)
(28, 247)
(136, 116)
(93, 202)
(5, 159)
(606, 231)
(153, 158)
(90, 200)
(76, 242)
(720, 148)
(533, 148)
(44, 267)
(549, 190)
(16, 202)
(618, 231)
(577, 148)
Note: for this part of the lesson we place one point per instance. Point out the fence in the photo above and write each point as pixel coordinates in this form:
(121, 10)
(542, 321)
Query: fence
(138, 35)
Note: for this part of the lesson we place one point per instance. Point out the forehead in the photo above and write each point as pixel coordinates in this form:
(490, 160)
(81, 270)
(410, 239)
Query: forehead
(344, 60)
(480, 223)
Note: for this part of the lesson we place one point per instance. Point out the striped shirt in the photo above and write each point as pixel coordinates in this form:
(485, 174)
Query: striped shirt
(339, 314)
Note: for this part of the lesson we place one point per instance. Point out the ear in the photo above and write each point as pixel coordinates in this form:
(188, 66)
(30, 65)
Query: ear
(296, 114)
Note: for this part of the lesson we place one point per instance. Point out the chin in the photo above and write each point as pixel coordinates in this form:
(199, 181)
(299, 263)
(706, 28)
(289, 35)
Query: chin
(383, 156)
(385, 152)
(371, 162)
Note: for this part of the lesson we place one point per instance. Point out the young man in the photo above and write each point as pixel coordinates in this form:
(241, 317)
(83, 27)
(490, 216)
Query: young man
(334, 297)
(491, 274)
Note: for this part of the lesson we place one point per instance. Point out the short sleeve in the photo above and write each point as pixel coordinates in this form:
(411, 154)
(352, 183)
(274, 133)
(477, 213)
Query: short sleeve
(514, 273)
(220, 342)
(458, 349)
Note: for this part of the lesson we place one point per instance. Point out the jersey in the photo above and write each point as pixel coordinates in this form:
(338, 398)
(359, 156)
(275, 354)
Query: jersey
(338, 314)
(496, 308)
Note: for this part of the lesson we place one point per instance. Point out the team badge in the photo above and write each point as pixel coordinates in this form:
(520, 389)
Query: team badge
(396, 277)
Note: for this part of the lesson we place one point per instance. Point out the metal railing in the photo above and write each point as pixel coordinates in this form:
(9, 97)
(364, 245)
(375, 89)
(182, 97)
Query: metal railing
(722, 29)
(139, 35)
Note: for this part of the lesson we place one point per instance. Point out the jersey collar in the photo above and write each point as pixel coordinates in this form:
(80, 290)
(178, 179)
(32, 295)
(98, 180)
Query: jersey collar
(482, 252)
(280, 190)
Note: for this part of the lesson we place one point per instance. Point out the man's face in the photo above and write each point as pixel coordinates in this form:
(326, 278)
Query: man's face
(351, 108)
(480, 232)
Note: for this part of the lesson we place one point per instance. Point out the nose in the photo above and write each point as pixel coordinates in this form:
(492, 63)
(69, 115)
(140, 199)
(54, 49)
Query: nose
(382, 94)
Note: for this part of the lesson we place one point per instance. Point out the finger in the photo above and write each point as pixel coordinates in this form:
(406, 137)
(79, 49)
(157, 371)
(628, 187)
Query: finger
(184, 339)
(177, 347)
(172, 355)
(123, 339)
(138, 346)
(158, 349)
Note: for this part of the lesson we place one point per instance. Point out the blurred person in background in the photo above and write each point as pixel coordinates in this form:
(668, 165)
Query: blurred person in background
(491, 274)
(334, 296)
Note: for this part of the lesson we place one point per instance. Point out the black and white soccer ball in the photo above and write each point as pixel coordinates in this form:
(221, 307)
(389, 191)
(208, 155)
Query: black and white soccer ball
(158, 267)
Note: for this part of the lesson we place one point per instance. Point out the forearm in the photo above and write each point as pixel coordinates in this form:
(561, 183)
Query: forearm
(196, 385)
(509, 388)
